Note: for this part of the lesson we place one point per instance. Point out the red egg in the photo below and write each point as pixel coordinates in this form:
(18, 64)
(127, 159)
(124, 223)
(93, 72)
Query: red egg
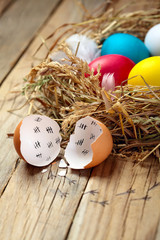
(117, 65)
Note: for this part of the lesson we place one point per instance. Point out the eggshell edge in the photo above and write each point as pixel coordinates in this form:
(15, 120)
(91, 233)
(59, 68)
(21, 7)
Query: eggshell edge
(104, 139)
(17, 141)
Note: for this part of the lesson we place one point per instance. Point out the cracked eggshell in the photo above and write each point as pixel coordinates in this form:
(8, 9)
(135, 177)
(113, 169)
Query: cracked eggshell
(37, 140)
(90, 144)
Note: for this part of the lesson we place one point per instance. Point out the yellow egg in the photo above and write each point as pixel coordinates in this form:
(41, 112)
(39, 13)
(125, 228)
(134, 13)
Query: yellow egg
(149, 69)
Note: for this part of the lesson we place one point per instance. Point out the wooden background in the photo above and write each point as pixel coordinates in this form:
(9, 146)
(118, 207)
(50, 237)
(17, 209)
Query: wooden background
(115, 200)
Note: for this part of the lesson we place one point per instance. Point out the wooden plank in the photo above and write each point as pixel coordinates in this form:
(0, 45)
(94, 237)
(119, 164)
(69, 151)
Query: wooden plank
(8, 120)
(13, 174)
(19, 25)
(34, 204)
(125, 200)
(40, 206)
(135, 5)
(121, 201)
(4, 4)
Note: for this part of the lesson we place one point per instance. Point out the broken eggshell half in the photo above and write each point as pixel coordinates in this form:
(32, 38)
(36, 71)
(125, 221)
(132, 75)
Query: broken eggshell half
(37, 140)
(90, 144)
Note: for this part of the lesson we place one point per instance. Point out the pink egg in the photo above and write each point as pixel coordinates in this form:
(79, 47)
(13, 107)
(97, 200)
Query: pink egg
(114, 65)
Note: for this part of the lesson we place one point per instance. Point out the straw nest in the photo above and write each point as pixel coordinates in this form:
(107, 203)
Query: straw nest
(68, 92)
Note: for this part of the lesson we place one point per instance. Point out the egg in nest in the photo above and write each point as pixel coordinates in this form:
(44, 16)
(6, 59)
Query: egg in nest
(152, 40)
(127, 45)
(148, 70)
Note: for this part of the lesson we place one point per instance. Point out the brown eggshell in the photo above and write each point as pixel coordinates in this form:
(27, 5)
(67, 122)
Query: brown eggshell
(102, 147)
(89, 145)
(16, 139)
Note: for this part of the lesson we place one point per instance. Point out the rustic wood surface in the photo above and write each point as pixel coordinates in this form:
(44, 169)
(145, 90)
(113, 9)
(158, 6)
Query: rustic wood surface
(4, 4)
(115, 200)
(19, 25)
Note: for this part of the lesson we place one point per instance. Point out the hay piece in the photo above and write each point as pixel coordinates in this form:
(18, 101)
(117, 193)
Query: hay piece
(67, 92)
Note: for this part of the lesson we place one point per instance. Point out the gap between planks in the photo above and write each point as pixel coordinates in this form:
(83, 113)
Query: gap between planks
(23, 29)
(8, 121)
(14, 82)
(4, 4)
(85, 210)
(131, 198)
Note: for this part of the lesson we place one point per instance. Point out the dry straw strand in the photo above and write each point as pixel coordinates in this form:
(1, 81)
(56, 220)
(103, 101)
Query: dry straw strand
(67, 92)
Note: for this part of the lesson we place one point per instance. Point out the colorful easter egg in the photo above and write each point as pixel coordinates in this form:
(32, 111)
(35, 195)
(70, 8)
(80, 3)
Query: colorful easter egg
(149, 69)
(114, 65)
(126, 45)
(152, 40)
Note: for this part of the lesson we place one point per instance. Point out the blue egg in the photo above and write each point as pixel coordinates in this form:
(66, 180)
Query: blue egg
(126, 45)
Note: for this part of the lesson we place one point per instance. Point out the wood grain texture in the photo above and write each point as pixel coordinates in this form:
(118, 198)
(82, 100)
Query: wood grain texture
(125, 202)
(29, 15)
(40, 206)
(117, 200)
(8, 156)
(130, 6)
(15, 82)
(4, 4)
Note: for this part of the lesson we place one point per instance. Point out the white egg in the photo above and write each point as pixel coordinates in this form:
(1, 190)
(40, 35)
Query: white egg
(87, 50)
(152, 40)
(81, 45)
(37, 140)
